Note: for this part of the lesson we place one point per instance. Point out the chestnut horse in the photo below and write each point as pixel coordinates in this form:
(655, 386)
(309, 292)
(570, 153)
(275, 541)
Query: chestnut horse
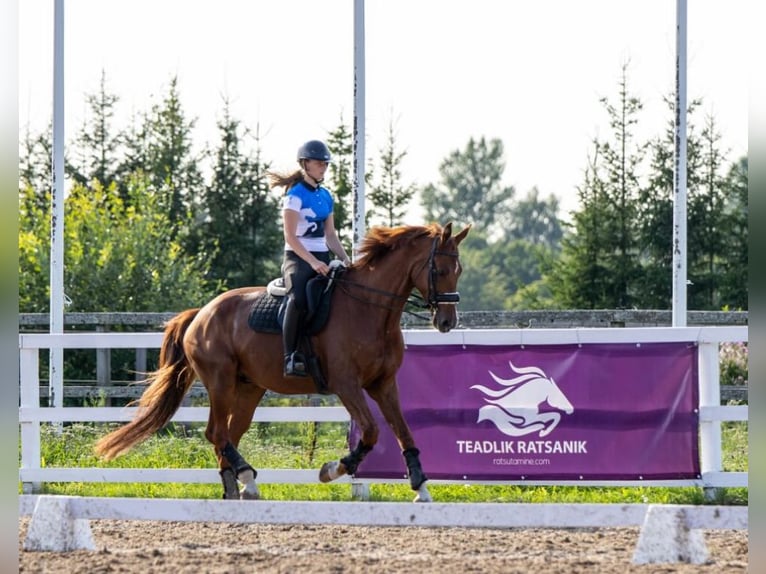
(360, 349)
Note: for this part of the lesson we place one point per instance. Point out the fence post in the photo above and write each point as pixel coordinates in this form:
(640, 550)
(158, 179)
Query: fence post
(711, 458)
(29, 397)
(104, 366)
(140, 364)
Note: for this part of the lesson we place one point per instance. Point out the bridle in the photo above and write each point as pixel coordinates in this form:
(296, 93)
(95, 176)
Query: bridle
(433, 299)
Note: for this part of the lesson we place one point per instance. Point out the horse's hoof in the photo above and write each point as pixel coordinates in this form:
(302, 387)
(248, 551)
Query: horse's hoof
(249, 495)
(423, 495)
(329, 471)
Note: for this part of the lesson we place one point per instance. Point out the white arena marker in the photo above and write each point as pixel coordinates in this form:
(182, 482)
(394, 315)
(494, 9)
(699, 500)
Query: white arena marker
(666, 537)
(54, 529)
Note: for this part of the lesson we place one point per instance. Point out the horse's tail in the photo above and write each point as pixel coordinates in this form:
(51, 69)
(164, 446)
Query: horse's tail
(161, 399)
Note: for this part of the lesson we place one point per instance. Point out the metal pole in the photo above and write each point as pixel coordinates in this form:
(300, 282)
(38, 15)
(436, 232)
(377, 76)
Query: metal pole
(56, 384)
(358, 227)
(679, 182)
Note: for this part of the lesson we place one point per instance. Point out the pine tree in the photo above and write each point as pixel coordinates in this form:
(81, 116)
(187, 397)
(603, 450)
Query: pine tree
(601, 259)
(734, 226)
(707, 247)
(579, 279)
(96, 143)
(340, 144)
(36, 168)
(389, 197)
(171, 164)
(655, 210)
(241, 227)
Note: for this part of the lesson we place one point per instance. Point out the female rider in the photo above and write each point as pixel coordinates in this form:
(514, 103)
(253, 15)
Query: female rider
(310, 235)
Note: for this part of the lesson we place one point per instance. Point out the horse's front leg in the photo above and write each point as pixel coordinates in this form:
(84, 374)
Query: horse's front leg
(387, 396)
(360, 413)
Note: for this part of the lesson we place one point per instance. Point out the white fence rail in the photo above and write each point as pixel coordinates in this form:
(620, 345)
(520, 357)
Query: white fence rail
(31, 415)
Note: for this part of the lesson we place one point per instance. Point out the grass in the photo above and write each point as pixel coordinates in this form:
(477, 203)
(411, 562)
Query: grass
(308, 445)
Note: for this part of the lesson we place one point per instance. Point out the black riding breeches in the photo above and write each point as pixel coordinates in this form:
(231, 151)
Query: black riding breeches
(297, 273)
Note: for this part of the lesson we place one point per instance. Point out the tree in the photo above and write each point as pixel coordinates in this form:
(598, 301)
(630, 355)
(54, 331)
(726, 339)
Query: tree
(535, 220)
(36, 168)
(470, 190)
(122, 257)
(171, 165)
(241, 229)
(601, 258)
(96, 144)
(707, 248)
(34, 250)
(482, 287)
(496, 270)
(579, 277)
(734, 280)
(118, 256)
(340, 144)
(389, 197)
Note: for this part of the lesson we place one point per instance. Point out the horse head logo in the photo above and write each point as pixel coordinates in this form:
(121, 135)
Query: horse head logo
(527, 403)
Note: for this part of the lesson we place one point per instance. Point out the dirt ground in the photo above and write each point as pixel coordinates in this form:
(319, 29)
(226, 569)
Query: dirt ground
(197, 548)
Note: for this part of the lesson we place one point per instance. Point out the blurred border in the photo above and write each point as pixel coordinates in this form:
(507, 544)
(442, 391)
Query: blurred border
(9, 389)
(757, 329)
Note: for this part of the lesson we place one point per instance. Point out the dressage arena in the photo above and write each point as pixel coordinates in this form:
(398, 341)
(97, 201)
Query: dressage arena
(176, 547)
(268, 536)
(72, 534)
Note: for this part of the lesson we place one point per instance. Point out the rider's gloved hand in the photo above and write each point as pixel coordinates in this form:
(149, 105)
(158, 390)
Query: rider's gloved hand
(336, 263)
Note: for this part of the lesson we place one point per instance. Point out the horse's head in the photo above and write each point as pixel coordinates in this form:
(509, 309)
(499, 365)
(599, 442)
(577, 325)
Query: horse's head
(437, 278)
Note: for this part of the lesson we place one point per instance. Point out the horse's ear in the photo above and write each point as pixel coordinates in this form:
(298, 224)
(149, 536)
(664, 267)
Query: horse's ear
(460, 236)
(446, 232)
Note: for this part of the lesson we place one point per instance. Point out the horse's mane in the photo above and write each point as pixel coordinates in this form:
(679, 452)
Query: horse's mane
(381, 240)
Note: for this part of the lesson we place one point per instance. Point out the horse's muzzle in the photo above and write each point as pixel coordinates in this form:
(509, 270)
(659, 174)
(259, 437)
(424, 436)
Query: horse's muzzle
(445, 318)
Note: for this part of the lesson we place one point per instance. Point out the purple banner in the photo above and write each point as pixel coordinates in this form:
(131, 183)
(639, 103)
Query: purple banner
(547, 412)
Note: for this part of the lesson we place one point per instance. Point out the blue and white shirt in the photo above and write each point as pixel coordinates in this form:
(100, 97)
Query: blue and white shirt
(314, 207)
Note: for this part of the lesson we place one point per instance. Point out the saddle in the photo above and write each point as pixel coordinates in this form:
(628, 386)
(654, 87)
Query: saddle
(268, 310)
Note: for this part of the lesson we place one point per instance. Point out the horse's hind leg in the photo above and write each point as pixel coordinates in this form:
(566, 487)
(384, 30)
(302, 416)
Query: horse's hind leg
(387, 397)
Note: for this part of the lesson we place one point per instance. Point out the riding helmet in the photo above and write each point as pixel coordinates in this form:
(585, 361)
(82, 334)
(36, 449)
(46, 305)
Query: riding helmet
(314, 149)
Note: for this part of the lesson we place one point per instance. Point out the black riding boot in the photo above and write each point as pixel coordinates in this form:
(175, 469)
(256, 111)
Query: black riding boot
(294, 362)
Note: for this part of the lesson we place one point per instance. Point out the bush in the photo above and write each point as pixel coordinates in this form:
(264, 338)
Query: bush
(733, 361)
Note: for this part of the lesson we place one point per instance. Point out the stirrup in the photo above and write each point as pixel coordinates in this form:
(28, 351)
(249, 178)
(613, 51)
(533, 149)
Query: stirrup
(295, 366)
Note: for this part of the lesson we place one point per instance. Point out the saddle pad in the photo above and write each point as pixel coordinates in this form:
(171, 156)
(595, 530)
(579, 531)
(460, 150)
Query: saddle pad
(263, 314)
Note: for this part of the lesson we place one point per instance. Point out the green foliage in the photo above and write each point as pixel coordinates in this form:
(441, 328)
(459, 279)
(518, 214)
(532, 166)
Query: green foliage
(34, 252)
(733, 358)
(121, 257)
(97, 145)
(241, 231)
(390, 198)
(117, 257)
(499, 271)
(340, 143)
(470, 191)
(734, 262)
(170, 164)
(706, 235)
(616, 252)
(599, 266)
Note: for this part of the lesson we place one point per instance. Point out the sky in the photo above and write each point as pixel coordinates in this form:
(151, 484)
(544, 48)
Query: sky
(530, 73)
